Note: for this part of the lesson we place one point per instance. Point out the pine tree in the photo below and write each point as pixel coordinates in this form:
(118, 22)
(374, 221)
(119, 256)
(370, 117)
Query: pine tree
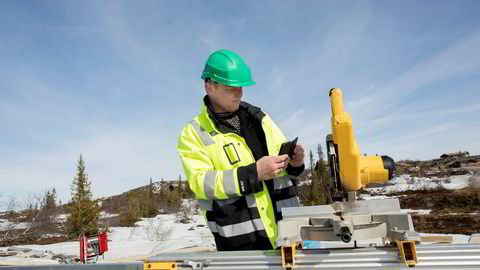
(132, 214)
(311, 161)
(162, 189)
(150, 189)
(150, 208)
(320, 160)
(83, 210)
(50, 200)
(325, 179)
(41, 217)
(315, 192)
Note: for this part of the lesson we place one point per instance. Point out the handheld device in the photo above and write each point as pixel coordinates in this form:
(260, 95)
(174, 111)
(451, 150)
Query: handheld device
(288, 147)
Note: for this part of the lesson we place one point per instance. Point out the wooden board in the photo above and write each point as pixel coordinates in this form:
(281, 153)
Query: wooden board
(436, 238)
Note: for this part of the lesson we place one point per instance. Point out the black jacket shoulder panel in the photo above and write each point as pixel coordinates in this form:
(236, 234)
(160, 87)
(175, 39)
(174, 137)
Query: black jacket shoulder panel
(253, 110)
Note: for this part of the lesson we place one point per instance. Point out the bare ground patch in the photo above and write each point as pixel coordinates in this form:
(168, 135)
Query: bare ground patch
(447, 223)
(453, 211)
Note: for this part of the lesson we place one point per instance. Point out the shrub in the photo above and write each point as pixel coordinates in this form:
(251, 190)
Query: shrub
(157, 231)
(169, 201)
(186, 212)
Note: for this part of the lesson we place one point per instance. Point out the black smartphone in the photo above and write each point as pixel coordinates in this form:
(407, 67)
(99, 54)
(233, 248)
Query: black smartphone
(287, 148)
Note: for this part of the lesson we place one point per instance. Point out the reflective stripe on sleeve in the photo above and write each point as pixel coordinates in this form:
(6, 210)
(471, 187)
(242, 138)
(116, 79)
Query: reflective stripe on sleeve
(251, 202)
(206, 139)
(228, 183)
(213, 226)
(205, 205)
(209, 184)
(292, 202)
(236, 229)
(282, 182)
(226, 202)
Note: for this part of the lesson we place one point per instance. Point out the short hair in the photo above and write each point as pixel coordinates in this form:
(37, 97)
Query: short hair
(210, 80)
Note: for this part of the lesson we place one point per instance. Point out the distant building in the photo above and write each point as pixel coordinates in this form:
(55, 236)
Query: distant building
(455, 154)
(172, 187)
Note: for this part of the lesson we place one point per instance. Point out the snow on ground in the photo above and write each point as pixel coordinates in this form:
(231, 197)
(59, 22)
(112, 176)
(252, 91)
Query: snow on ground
(130, 243)
(143, 237)
(17, 260)
(406, 182)
(104, 214)
(368, 197)
(62, 217)
(4, 224)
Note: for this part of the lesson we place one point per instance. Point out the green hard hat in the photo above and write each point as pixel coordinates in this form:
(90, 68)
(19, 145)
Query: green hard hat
(226, 67)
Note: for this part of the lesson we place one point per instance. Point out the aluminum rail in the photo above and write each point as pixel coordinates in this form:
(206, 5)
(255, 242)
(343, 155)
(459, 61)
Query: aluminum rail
(445, 256)
(98, 266)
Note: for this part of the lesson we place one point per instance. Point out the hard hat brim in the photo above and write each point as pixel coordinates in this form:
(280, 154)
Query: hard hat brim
(242, 84)
(229, 83)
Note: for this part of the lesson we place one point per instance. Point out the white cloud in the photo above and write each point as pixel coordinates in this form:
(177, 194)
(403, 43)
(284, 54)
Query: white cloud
(462, 57)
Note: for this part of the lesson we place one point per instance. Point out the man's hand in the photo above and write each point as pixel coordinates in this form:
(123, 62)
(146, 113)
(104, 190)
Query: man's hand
(269, 166)
(298, 156)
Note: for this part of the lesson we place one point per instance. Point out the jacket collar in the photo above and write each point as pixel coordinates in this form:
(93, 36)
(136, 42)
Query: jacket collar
(256, 112)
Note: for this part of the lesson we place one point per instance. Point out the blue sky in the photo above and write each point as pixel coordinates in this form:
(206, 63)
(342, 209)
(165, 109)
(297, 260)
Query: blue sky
(117, 80)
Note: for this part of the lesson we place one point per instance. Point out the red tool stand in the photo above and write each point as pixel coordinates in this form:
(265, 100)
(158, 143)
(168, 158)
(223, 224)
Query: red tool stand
(92, 247)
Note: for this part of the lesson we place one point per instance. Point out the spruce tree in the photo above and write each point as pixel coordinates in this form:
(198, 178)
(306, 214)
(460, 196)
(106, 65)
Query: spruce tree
(132, 214)
(162, 189)
(150, 189)
(325, 179)
(83, 210)
(312, 162)
(321, 164)
(150, 208)
(315, 193)
(50, 199)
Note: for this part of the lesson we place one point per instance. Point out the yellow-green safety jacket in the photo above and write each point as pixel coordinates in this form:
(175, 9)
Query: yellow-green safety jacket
(241, 211)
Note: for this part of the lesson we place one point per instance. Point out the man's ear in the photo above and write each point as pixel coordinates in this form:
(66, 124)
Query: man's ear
(208, 87)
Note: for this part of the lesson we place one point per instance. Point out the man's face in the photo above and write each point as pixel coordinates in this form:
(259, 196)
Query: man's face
(224, 98)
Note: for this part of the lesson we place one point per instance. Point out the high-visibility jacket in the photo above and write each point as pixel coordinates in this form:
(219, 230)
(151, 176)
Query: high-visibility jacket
(221, 172)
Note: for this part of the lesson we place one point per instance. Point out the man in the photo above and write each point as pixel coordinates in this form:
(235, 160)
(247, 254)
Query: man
(230, 157)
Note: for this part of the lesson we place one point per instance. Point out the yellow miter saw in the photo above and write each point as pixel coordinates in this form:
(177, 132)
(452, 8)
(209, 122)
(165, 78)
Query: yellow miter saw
(350, 170)
(348, 219)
